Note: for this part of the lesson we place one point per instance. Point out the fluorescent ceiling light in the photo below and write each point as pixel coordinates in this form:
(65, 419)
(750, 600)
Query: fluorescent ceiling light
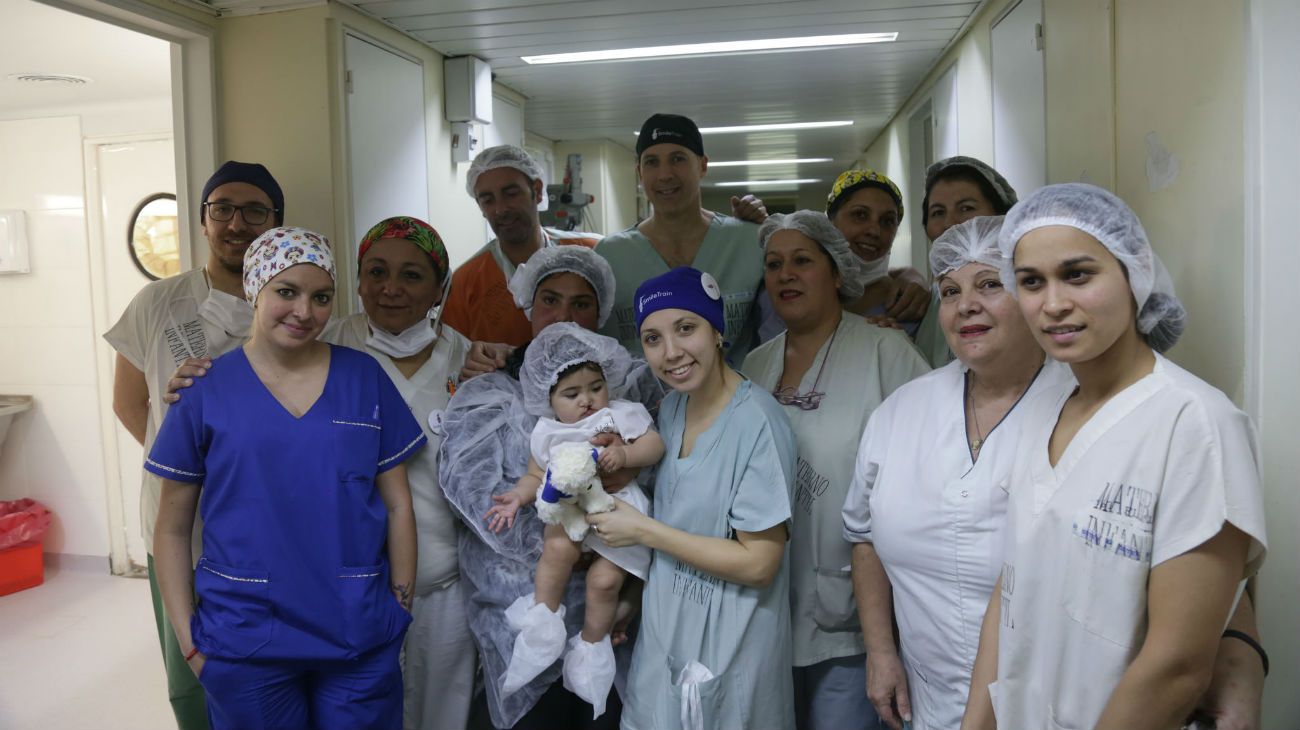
(768, 127)
(756, 163)
(703, 49)
(756, 183)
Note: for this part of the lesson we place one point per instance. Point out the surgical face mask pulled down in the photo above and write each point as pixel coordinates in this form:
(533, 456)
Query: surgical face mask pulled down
(232, 314)
(411, 340)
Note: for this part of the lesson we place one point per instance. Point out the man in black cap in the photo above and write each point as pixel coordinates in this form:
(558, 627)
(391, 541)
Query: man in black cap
(200, 313)
(679, 232)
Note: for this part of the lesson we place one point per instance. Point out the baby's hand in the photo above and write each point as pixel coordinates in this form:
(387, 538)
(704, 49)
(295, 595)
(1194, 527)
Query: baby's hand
(613, 458)
(502, 514)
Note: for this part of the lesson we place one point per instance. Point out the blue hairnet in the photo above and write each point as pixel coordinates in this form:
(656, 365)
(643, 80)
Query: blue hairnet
(1102, 215)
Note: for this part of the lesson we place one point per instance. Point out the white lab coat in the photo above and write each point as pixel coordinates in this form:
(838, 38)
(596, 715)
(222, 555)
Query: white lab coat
(1152, 475)
(936, 520)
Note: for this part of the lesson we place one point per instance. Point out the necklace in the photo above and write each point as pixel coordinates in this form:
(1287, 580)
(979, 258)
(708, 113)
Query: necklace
(978, 441)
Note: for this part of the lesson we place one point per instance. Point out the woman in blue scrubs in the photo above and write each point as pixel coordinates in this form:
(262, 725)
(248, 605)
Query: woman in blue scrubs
(292, 453)
(714, 648)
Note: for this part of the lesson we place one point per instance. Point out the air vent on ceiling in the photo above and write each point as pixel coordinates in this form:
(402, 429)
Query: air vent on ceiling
(39, 78)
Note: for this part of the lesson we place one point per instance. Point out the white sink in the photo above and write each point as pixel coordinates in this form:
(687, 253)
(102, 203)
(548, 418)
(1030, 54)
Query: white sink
(11, 406)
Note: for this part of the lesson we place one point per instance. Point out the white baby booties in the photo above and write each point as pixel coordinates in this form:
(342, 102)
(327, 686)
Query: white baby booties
(589, 671)
(538, 644)
(572, 490)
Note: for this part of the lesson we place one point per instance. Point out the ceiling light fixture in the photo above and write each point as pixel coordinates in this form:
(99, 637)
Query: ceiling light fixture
(44, 78)
(766, 45)
(769, 127)
(756, 163)
(765, 183)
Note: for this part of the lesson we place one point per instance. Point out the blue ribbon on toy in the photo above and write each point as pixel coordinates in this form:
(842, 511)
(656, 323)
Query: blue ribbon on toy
(550, 494)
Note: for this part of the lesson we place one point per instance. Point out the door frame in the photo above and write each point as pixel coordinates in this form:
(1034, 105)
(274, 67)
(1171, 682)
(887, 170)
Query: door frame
(119, 556)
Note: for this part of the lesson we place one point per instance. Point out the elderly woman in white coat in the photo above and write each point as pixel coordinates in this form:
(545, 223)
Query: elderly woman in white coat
(829, 370)
(927, 505)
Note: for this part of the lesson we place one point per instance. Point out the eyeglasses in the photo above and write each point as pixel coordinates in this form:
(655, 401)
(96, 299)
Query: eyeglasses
(789, 395)
(253, 214)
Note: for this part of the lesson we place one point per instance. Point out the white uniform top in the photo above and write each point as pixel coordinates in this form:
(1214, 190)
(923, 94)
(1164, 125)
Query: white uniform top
(936, 521)
(427, 393)
(159, 329)
(1153, 474)
(630, 421)
(864, 365)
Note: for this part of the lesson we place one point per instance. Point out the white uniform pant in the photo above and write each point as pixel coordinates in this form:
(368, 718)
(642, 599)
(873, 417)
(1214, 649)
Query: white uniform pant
(439, 662)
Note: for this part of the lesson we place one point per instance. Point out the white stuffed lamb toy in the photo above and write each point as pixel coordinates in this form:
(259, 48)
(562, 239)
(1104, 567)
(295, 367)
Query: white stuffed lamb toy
(572, 490)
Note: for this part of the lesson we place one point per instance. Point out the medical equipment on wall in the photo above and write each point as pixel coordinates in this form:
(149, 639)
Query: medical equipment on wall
(567, 200)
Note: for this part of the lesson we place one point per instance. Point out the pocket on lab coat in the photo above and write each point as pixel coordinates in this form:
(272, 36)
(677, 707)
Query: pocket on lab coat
(234, 617)
(719, 707)
(1105, 592)
(372, 616)
(356, 447)
(834, 608)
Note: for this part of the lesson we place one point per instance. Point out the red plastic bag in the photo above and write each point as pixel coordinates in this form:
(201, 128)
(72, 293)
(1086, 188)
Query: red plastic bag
(22, 520)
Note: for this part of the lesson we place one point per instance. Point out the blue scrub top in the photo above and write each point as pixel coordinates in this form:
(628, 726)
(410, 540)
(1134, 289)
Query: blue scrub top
(294, 563)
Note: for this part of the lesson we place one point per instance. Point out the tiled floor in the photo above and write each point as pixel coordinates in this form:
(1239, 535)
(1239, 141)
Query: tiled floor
(81, 651)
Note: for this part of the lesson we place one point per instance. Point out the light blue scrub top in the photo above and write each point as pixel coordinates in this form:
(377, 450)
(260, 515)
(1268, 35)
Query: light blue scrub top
(294, 564)
(739, 476)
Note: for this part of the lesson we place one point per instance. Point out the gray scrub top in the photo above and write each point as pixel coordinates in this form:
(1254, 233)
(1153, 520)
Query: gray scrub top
(739, 476)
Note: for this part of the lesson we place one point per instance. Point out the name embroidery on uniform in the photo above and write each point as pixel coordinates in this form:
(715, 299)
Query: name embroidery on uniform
(1119, 522)
(808, 486)
(693, 585)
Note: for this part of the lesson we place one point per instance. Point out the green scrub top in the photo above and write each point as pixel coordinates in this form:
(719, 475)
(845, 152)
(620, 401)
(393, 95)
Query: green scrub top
(929, 337)
(738, 477)
(864, 364)
(729, 252)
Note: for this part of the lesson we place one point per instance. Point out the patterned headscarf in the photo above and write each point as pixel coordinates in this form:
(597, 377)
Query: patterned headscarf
(278, 249)
(853, 180)
(410, 229)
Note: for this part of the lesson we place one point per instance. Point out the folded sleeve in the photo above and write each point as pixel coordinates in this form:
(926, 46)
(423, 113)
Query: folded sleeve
(632, 419)
(766, 489)
(128, 334)
(866, 469)
(400, 435)
(181, 447)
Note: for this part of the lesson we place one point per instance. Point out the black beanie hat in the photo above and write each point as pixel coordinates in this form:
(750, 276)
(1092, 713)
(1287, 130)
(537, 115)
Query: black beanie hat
(670, 129)
(245, 172)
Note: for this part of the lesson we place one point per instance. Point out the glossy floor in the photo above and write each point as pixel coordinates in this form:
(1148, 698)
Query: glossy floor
(81, 651)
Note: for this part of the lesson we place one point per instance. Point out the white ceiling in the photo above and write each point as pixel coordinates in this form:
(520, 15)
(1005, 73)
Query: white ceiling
(866, 84)
(34, 38)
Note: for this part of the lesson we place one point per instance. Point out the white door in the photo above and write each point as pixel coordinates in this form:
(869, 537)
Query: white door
(1019, 108)
(129, 173)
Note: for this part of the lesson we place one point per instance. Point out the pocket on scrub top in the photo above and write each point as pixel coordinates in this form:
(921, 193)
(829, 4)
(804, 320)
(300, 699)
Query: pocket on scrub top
(1105, 592)
(834, 608)
(719, 706)
(234, 610)
(356, 447)
(371, 615)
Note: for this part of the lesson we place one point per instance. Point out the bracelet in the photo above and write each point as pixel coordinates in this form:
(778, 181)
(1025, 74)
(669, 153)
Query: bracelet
(194, 652)
(1250, 641)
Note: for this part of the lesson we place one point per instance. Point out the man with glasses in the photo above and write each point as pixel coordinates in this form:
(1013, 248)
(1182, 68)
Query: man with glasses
(200, 313)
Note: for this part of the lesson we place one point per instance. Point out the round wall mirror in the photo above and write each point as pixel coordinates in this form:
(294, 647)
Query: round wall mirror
(154, 236)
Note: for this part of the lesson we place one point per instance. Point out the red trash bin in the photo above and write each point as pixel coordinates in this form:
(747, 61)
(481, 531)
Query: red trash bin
(23, 523)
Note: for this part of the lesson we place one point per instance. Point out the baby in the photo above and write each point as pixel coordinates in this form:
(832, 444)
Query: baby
(566, 377)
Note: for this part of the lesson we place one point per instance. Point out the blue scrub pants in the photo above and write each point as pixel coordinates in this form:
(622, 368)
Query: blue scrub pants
(832, 695)
(359, 694)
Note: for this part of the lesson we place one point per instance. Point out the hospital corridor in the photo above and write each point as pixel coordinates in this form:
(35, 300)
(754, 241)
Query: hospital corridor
(649, 364)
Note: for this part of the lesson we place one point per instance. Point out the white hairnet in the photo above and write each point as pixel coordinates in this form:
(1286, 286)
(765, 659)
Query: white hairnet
(1102, 215)
(573, 259)
(484, 453)
(506, 155)
(560, 346)
(853, 272)
(972, 242)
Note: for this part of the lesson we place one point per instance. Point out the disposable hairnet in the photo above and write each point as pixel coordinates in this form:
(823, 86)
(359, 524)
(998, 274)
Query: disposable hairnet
(560, 346)
(506, 155)
(972, 242)
(1006, 194)
(853, 273)
(1102, 215)
(484, 453)
(573, 259)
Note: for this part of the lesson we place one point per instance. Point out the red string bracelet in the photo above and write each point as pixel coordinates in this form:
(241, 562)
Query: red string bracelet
(192, 654)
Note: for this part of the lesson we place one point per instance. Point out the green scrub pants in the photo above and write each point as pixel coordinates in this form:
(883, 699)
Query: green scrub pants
(183, 688)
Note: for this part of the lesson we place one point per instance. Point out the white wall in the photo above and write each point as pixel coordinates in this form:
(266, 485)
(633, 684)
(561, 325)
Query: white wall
(609, 173)
(54, 453)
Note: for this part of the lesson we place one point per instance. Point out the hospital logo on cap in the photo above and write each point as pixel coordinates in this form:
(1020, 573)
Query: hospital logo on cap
(710, 286)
